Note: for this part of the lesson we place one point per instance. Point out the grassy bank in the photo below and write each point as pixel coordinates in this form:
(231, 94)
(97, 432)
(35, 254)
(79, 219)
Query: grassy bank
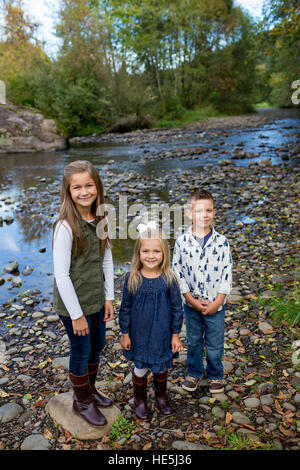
(190, 116)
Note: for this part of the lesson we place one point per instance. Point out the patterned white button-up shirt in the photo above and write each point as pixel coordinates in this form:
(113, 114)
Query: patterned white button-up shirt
(203, 272)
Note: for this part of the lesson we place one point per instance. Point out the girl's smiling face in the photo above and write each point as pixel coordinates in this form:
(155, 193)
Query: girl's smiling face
(151, 254)
(83, 190)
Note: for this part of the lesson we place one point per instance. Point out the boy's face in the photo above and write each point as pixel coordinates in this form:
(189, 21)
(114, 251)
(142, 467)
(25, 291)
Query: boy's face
(202, 213)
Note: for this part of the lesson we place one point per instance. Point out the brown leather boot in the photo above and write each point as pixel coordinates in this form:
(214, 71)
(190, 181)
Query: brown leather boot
(100, 400)
(160, 387)
(84, 404)
(140, 397)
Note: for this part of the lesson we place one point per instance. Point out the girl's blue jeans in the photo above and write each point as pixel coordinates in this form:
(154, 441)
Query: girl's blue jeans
(85, 349)
(204, 330)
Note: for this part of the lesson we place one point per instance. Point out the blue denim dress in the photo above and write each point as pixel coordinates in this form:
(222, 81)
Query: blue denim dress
(150, 317)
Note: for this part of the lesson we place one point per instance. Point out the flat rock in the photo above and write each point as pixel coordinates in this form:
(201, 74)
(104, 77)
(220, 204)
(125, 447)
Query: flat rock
(295, 382)
(244, 331)
(296, 357)
(60, 409)
(24, 378)
(297, 398)
(228, 367)
(51, 334)
(2, 352)
(128, 379)
(37, 315)
(52, 318)
(265, 327)
(266, 387)
(296, 344)
(183, 445)
(234, 298)
(266, 399)
(61, 362)
(221, 397)
(12, 267)
(218, 412)
(239, 418)
(27, 271)
(110, 386)
(252, 402)
(35, 442)
(252, 436)
(9, 411)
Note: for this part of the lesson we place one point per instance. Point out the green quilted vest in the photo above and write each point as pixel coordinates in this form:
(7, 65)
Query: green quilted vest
(86, 274)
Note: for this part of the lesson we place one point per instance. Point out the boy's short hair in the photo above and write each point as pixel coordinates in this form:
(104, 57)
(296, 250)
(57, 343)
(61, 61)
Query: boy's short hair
(198, 194)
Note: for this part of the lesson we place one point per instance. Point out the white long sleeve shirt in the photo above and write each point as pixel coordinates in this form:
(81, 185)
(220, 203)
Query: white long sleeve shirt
(62, 250)
(203, 272)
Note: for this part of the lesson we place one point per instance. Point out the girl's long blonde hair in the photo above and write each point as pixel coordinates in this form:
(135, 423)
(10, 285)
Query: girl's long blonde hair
(68, 209)
(135, 278)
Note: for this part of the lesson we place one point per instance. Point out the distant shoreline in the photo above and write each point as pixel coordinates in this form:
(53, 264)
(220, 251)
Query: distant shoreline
(261, 117)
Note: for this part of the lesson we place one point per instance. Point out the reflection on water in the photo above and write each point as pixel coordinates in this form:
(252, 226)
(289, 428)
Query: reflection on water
(24, 170)
(31, 231)
(34, 180)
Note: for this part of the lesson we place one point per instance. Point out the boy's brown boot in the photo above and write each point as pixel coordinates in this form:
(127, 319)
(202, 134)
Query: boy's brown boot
(84, 404)
(160, 387)
(100, 399)
(140, 396)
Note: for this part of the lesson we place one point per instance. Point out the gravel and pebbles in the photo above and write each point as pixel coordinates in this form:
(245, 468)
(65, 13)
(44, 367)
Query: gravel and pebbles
(258, 209)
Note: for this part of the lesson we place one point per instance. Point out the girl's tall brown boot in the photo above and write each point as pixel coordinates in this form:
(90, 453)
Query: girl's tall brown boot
(100, 399)
(160, 387)
(84, 404)
(140, 396)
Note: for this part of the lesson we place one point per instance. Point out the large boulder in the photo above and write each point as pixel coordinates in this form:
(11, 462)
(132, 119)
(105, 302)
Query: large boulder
(27, 130)
(60, 409)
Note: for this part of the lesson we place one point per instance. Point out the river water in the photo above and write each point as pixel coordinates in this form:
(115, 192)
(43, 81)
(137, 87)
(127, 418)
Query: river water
(30, 186)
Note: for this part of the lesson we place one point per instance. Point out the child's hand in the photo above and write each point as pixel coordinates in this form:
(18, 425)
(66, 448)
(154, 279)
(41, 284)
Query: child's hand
(80, 326)
(200, 305)
(210, 309)
(125, 341)
(108, 310)
(176, 344)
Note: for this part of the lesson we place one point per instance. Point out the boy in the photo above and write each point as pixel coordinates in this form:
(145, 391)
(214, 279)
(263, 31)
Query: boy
(203, 265)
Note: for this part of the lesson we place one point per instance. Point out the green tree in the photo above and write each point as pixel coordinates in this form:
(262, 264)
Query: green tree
(20, 52)
(81, 71)
(122, 65)
(282, 38)
(189, 51)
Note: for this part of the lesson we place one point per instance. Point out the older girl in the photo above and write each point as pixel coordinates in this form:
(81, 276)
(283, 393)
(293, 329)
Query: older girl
(83, 285)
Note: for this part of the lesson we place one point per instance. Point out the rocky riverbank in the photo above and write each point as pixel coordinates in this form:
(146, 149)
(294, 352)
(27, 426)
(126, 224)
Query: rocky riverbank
(258, 409)
(258, 209)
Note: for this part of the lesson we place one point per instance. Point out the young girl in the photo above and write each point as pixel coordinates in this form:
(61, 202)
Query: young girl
(150, 318)
(83, 284)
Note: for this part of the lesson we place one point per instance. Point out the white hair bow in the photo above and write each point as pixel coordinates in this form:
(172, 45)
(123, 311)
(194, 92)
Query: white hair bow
(143, 227)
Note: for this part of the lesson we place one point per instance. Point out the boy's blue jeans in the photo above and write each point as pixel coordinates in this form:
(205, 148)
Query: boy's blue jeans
(85, 349)
(204, 330)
